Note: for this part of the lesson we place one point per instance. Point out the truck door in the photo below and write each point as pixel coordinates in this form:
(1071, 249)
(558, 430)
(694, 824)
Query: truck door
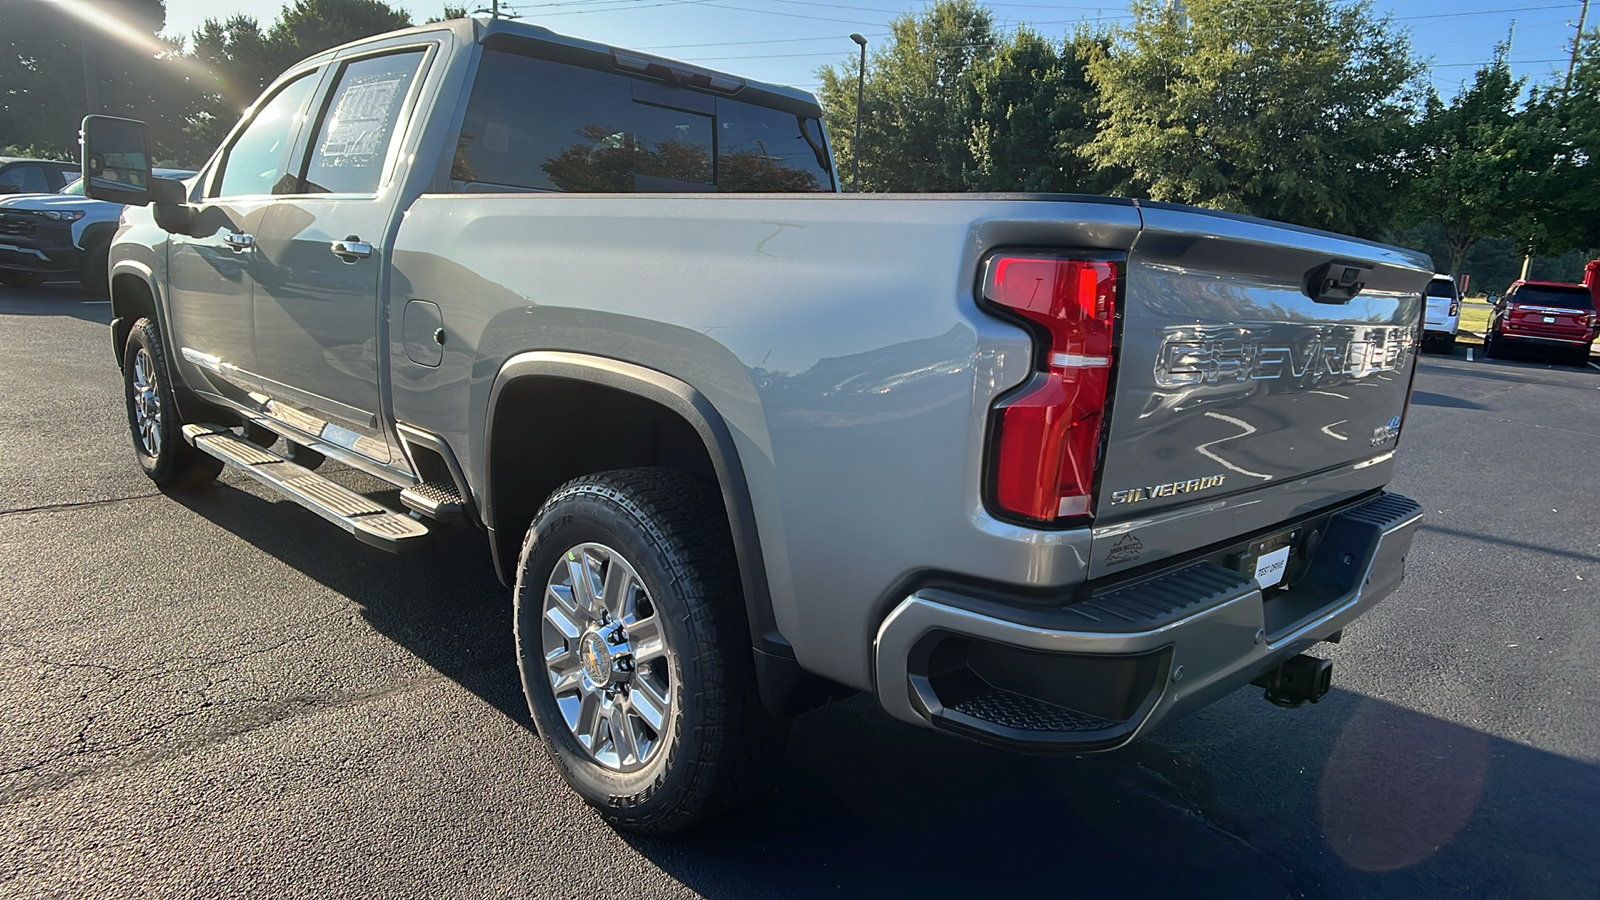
(322, 253)
(211, 269)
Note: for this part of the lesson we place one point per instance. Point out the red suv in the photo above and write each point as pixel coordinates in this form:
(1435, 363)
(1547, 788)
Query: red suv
(1550, 314)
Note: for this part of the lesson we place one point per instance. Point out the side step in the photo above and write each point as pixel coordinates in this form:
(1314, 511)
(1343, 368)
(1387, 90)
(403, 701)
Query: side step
(438, 500)
(369, 522)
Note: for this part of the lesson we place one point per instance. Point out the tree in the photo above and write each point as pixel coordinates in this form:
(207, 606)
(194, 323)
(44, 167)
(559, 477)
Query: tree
(1576, 212)
(48, 58)
(918, 98)
(1463, 161)
(1033, 109)
(1293, 110)
(239, 60)
(307, 27)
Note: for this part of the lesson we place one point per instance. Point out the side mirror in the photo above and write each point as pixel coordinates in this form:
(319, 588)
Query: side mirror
(116, 160)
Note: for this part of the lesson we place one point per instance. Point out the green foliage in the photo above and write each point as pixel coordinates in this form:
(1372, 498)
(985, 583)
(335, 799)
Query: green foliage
(307, 27)
(1294, 110)
(44, 52)
(1464, 160)
(918, 96)
(190, 98)
(1032, 112)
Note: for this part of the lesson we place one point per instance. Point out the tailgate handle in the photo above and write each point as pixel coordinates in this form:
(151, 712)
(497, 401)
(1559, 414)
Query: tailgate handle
(1336, 281)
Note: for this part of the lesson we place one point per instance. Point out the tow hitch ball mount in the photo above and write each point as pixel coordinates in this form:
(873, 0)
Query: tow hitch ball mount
(1296, 681)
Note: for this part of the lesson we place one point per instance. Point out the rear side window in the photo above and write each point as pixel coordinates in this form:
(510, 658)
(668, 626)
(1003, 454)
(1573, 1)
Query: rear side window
(1442, 289)
(761, 149)
(1562, 297)
(541, 125)
(358, 124)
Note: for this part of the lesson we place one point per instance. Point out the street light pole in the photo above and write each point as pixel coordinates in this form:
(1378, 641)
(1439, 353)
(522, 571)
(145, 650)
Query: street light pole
(861, 87)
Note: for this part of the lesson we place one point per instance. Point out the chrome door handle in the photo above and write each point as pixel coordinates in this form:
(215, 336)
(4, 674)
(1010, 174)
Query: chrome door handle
(239, 241)
(351, 249)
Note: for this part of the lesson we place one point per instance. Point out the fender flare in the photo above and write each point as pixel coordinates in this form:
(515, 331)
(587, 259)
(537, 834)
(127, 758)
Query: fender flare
(187, 401)
(693, 407)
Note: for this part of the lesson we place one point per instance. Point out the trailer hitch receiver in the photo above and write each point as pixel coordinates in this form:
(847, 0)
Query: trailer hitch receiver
(1296, 681)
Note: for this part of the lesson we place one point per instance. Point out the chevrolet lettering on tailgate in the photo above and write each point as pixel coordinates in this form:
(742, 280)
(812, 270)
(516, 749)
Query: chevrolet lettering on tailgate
(1191, 356)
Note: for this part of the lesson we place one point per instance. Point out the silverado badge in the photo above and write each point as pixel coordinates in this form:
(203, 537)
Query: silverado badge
(1170, 489)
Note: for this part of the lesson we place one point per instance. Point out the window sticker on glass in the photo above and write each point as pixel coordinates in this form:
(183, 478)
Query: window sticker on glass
(356, 127)
(355, 135)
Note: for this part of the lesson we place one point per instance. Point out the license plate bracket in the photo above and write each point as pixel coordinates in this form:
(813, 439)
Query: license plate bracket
(1268, 559)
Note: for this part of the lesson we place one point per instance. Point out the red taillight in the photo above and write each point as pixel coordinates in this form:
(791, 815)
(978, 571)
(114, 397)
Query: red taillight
(1455, 308)
(1048, 436)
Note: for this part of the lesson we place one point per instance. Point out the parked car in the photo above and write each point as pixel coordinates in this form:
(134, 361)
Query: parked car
(34, 176)
(1037, 470)
(1443, 316)
(61, 234)
(1553, 315)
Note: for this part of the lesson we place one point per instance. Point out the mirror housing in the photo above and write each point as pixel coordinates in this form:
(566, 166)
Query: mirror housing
(116, 160)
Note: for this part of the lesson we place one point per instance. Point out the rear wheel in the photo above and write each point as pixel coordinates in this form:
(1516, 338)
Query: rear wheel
(634, 650)
(17, 279)
(153, 417)
(1447, 344)
(1491, 347)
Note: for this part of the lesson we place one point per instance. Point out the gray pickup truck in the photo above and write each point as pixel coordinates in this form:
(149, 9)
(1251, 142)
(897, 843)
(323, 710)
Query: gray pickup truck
(1041, 471)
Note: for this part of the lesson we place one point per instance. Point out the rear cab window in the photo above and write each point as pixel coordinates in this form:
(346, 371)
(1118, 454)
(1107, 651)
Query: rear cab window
(536, 124)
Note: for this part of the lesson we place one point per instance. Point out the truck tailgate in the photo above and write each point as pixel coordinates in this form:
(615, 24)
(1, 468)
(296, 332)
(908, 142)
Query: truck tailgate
(1232, 383)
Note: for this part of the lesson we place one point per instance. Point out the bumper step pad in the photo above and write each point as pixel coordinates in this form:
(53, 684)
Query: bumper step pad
(1020, 712)
(370, 523)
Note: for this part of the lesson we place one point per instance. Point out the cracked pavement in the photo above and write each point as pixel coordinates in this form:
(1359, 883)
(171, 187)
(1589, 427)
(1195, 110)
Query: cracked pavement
(217, 694)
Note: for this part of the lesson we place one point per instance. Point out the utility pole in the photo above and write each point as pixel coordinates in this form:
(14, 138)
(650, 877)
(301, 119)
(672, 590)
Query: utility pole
(1577, 42)
(861, 89)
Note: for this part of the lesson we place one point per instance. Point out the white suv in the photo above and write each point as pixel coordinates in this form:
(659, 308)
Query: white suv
(1444, 314)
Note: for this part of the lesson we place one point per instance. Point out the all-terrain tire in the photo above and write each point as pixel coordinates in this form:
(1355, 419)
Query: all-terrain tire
(153, 420)
(717, 739)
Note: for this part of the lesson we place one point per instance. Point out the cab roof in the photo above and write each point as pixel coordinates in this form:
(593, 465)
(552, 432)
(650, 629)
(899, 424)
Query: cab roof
(587, 53)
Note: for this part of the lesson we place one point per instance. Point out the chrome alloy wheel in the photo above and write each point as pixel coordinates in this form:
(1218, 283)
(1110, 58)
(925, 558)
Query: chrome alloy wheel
(146, 402)
(605, 656)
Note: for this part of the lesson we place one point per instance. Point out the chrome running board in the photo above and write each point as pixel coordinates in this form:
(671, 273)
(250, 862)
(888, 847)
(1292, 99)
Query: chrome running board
(369, 522)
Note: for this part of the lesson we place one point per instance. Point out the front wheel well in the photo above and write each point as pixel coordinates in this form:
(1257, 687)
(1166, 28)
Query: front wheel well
(131, 300)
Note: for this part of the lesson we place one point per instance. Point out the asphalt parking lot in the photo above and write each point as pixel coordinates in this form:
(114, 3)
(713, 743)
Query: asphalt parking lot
(217, 694)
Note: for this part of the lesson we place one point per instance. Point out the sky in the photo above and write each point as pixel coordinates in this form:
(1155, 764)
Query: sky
(784, 41)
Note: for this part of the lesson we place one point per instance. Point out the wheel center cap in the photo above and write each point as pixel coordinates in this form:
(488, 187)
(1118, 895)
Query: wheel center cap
(596, 657)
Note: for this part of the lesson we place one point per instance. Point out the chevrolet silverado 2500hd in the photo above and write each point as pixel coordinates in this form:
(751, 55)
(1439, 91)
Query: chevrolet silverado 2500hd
(1041, 471)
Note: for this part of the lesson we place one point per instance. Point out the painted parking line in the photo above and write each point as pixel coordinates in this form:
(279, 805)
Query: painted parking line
(1469, 354)
(1593, 366)
(93, 302)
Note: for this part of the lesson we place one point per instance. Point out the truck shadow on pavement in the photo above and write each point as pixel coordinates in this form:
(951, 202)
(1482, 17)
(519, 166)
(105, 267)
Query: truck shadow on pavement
(1354, 797)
